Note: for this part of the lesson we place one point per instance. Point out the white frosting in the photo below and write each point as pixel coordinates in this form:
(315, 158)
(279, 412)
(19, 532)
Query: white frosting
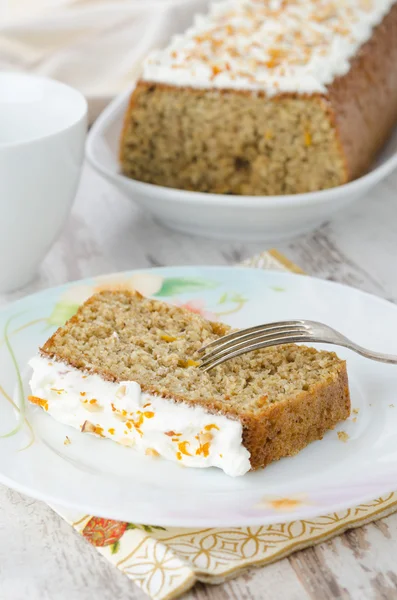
(152, 425)
(271, 45)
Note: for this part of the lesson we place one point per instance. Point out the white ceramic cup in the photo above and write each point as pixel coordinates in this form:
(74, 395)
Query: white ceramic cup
(43, 125)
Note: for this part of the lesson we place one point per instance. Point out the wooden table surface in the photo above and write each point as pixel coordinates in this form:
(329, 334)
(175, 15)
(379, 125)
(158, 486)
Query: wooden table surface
(42, 558)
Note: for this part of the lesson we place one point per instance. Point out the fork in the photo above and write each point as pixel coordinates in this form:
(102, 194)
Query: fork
(275, 334)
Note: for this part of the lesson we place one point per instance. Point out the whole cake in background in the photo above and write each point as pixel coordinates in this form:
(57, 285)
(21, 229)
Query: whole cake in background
(266, 97)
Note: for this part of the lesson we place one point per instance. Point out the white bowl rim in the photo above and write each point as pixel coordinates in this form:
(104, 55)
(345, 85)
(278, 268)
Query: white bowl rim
(362, 183)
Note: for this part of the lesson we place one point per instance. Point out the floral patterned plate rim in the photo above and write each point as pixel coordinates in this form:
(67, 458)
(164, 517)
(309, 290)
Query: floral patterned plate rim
(352, 464)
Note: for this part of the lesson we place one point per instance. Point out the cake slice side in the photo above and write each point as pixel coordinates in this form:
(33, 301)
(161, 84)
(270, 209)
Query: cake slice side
(285, 428)
(231, 141)
(122, 356)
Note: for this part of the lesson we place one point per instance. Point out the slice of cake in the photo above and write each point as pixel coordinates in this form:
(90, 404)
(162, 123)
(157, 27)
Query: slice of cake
(263, 97)
(125, 368)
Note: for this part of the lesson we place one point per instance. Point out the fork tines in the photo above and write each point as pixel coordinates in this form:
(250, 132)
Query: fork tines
(240, 342)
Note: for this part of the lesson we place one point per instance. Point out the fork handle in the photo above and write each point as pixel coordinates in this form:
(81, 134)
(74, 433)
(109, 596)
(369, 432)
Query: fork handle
(384, 358)
(337, 339)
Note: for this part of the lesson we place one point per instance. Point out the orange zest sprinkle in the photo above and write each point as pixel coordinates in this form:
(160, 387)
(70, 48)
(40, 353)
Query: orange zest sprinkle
(275, 57)
(211, 426)
(111, 431)
(148, 415)
(204, 449)
(93, 401)
(179, 456)
(82, 393)
(39, 401)
(129, 425)
(182, 448)
(57, 391)
(113, 407)
(139, 420)
(147, 404)
(215, 70)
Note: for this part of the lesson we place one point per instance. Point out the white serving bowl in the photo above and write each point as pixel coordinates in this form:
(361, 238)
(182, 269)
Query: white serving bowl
(247, 218)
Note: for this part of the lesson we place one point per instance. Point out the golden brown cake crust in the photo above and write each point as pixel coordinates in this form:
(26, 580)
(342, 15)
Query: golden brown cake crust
(364, 101)
(271, 430)
(287, 428)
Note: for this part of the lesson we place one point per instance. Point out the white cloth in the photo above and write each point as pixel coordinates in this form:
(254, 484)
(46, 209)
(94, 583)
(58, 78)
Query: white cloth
(96, 46)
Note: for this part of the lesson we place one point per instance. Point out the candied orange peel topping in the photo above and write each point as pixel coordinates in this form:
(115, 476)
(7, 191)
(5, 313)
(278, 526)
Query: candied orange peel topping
(39, 401)
(182, 448)
(211, 426)
(204, 449)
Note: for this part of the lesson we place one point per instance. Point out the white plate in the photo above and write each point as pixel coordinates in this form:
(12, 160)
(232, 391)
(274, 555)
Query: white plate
(252, 218)
(102, 478)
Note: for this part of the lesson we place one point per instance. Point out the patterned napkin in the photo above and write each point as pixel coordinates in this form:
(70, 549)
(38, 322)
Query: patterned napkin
(165, 562)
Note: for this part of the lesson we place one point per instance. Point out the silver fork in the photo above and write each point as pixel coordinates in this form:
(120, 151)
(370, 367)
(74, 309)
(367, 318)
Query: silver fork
(275, 334)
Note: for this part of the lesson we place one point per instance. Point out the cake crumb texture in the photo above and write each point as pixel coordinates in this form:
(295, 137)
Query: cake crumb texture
(230, 142)
(285, 396)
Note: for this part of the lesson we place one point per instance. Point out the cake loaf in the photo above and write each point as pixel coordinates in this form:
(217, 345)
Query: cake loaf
(125, 368)
(266, 97)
